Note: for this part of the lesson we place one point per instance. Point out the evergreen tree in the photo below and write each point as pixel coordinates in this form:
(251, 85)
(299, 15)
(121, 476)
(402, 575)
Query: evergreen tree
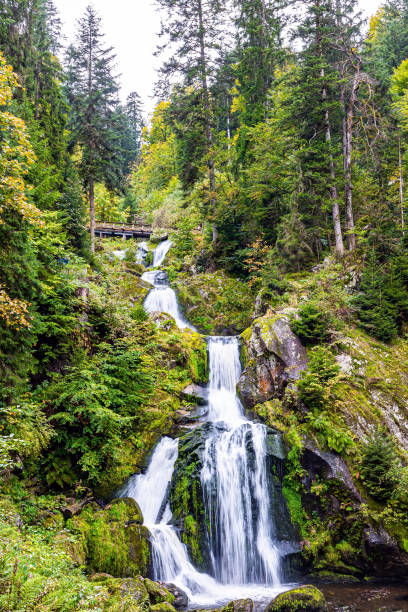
(315, 104)
(379, 458)
(194, 27)
(134, 111)
(92, 91)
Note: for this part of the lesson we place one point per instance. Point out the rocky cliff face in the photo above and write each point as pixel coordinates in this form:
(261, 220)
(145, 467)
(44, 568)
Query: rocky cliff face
(343, 530)
(273, 358)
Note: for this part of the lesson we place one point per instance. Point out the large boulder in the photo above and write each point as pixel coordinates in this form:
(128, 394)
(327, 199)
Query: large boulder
(328, 466)
(274, 358)
(158, 593)
(125, 594)
(302, 599)
(113, 539)
(384, 556)
(180, 601)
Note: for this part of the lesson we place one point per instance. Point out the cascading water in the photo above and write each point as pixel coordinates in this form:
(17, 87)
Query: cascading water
(245, 560)
(162, 298)
(234, 480)
(160, 253)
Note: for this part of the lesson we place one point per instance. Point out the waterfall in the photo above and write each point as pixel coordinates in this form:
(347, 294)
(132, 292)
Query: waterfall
(162, 298)
(160, 253)
(234, 481)
(245, 560)
(150, 489)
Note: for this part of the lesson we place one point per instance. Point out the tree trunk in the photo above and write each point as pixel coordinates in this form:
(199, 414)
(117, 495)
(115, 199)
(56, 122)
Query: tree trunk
(207, 114)
(92, 212)
(348, 183)
(338, 236)
(37, 89)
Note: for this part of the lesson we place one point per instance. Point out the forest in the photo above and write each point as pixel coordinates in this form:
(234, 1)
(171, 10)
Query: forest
(273, 171)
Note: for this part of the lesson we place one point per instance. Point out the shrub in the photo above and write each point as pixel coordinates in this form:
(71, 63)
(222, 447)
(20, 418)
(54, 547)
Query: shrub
(378, 467)
(313, 385)
(312, 326)
(382, 302)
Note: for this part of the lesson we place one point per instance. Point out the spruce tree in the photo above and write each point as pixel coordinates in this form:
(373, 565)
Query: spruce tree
(92, 91)
(317, 107)
(194, 27)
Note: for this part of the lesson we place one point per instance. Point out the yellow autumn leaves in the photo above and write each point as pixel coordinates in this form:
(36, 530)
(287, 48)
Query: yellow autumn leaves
(16, 156)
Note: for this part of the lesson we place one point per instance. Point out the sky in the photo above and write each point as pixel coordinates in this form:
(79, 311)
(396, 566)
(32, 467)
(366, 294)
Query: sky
(131, 27)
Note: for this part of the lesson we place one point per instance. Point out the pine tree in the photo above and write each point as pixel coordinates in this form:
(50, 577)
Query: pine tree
(92, 91)
(194, 27)
(134, 111)
(259, 51)
(318, 108)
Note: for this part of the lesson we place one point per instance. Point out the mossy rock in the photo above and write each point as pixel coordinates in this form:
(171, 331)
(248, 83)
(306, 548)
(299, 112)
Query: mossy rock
(72, 545)
(163, 607)
(126, 464)
(157, 592)
(239, 605)
(126, 594)
(113, 539)
(303, 599)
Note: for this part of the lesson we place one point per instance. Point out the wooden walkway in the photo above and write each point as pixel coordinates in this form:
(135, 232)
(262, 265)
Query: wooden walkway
(106, 230)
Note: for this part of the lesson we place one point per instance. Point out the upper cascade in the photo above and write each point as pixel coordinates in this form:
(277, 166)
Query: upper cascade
(160, 253)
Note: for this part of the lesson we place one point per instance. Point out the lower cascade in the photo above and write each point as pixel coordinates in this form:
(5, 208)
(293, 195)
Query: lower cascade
(245, 558)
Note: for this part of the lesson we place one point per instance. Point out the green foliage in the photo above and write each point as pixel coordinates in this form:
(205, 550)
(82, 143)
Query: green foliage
(35, 571)
(315, 384)
(377, 467)
(94, 405)
(113, 539)
(311, 325)
(382, 302)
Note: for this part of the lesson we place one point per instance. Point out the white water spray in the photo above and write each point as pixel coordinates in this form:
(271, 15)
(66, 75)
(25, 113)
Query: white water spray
(234, 480)
(160, 253)
(162, 298)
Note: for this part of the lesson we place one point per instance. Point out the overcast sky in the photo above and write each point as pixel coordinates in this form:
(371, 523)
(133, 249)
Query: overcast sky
(131, 27)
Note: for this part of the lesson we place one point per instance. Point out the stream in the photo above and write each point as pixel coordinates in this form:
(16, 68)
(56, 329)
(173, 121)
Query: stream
(245, 559)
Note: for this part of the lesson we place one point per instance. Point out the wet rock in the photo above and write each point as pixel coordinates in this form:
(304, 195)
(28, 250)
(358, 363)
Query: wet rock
(158, 593)
(328, 466)
(165, 321)
(274, 358)
(180, 597)
(384, 556)
(186, 494)
(239, 605)
(163, 607)
(184, 417)
(195, 393)
(303, 599)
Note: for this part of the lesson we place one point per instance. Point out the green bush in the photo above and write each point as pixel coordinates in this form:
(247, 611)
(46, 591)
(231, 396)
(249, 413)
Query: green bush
(378, 467)
(312, 326)
(93, 406)
(382, 301)
(314, 383)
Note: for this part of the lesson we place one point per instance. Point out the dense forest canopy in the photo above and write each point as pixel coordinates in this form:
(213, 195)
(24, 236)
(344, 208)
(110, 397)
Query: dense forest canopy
(278, 149)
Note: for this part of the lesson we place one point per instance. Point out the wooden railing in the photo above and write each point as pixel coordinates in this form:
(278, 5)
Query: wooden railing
(123, 227)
